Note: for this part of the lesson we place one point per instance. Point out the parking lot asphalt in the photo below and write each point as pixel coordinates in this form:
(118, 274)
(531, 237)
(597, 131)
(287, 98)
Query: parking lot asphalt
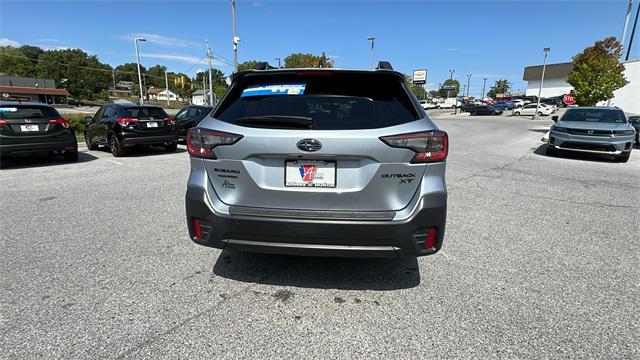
(540, 260)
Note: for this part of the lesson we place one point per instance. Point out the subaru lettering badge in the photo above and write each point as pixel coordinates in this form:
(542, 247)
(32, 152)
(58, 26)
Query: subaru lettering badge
(309, 145)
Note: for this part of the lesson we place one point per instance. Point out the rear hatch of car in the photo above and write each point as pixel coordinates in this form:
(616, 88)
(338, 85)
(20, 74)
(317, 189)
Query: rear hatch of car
(318, 140)
(146, 119)
(30, 123)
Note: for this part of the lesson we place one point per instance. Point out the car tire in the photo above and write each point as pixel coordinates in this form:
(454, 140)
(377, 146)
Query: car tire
(90, 145)
(517, 113)
(549, 151)
(171, 148)
(540, 113)
(115, 147)
(624, 157)
(70, 156)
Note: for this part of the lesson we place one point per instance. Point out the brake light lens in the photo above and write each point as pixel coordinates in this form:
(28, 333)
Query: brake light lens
(170, 120)
(3, 122)
(429, 146)
(126, 121)
(200, 142)
(60, 121)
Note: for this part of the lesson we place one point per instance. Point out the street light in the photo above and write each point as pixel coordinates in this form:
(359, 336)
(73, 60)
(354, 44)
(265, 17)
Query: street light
(278, 60)
(544, 68)
(484, 84)
(468, 80)
(236, 39)
(373, 40)
(138, 61)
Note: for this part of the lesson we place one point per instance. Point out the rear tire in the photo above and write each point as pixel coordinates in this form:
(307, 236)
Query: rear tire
(116, 148)
(624, 157)
(70, 156)
(539, 113)
(517, 113)
(171, 148)
(90, 145)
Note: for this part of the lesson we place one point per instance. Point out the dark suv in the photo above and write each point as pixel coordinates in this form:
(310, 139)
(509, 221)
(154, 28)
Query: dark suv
(27, 128)
(189, 117)
(123, 126)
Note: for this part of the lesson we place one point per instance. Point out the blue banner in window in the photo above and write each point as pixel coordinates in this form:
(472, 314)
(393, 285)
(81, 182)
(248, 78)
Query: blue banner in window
(272, 90)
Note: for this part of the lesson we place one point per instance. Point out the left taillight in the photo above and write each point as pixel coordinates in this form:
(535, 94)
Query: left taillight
(429, 146)
(3, 122)
(170, 120)
(60, 121)
(200, 142)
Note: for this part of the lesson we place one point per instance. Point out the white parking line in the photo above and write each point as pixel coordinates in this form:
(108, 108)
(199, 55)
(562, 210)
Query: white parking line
(115, 162)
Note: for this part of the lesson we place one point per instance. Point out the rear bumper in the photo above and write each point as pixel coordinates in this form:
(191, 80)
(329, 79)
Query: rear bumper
(315, 237)
(57, 144)
(148, 140)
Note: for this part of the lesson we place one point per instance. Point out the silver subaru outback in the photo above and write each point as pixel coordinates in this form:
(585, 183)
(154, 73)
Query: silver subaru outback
(324, 162)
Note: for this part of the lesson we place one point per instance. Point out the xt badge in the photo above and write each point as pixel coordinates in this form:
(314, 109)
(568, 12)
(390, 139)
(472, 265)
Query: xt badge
(228, 185)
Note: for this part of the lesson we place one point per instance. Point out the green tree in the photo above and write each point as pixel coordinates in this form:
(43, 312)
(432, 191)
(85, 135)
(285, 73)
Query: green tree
(129, 72)
(597, 72)
(155, 76)
(299, 60)
(433, 93)
(247, 65)
(451, 93)
(501, 86)
(14, 62)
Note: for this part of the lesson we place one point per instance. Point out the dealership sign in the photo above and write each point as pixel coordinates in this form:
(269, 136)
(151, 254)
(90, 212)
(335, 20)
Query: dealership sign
(420, 77)
(568, 99)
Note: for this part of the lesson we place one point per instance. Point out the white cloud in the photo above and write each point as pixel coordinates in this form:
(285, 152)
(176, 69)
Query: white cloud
(455, 49)
(8, 42)
(46, 40)
(189, 59)
(163, 40)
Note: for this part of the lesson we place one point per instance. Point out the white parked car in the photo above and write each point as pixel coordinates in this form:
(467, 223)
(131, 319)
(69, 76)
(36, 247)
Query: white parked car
(428, 105)
(450, 103)
(530, 109)
(519, 103)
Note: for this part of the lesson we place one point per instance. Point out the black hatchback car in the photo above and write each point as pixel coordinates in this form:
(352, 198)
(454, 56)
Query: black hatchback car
(484, 110)
(30, 128)
(124, 126)
(635, 122)
(189, 117)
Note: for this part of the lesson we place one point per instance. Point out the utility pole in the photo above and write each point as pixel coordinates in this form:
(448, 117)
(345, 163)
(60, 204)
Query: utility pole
(544, 68)
(138, 61)
(484, 84)
(113, 74)
(633, 33)
(236, 39)
(373, 40)
(166, 84)
(210, 81)
(626, 24)
(468, 81)
(450, 78)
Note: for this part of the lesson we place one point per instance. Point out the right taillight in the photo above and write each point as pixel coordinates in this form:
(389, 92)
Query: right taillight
(429, 146)
(126, 121)
(200, 142)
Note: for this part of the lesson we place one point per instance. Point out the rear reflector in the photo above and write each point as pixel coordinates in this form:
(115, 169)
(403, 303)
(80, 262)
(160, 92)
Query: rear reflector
(196, 228)
(70, 148)
(430, 240)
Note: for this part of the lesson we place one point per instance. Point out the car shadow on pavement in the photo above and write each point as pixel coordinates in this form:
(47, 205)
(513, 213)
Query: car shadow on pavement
(20, 162)
(575, 155)
(140, 151)
(318, 272)
(543, 131)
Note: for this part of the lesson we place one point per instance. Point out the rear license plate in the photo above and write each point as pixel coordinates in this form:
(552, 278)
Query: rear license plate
(152, 124)
(310, 173)
(29, 127)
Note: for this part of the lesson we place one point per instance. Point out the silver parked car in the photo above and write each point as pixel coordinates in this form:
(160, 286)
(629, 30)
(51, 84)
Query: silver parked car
(598, 130)
(320, 162)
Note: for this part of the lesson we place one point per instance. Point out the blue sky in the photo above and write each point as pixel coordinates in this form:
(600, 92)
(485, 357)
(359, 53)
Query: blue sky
(493, 39)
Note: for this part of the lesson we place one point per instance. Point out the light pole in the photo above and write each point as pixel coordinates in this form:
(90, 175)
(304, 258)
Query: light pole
(626, 24)
(236, 39)
(210, 80)
(138, 60)
(484, 85)
(166, 83)
(633, 33)
(278, 60)
(468, 81)
(373, 40)
(450, 78)
(544, 68)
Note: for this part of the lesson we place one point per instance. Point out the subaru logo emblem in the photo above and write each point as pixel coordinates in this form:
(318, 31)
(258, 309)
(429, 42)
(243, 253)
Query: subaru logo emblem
(590, 132)
(309, 145)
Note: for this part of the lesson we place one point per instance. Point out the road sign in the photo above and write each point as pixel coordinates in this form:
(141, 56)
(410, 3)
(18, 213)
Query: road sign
(420, 77)
(449, 88)
(568, 99)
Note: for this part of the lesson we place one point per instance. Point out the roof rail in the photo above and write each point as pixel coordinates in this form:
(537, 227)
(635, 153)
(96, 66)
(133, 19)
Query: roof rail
(263, 66)
(384, 65)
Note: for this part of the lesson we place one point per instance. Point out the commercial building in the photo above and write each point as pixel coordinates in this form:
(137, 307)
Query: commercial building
(555, 84)
(19, 88)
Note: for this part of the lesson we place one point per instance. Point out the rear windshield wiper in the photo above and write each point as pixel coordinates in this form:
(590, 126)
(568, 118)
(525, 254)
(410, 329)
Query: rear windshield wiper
(296, 121)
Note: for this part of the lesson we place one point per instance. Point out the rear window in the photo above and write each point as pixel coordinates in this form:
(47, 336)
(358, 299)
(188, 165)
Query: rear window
(9, 112)
(145, 113)
(332, 100)
(595, 115)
